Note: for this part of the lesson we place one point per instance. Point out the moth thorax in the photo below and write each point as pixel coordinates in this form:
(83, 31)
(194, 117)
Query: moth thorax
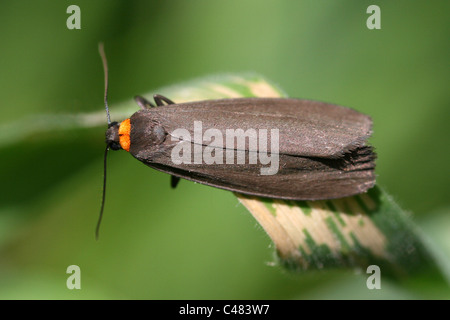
(124, 134)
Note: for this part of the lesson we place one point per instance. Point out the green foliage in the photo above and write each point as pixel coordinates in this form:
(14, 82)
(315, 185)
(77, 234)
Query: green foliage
(199, 242)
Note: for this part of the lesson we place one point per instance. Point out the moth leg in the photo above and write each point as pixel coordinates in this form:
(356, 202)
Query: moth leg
(174, 181)
(159, 100)
(143, 103)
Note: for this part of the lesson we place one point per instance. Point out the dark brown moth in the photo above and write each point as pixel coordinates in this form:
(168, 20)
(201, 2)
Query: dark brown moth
(322, 151)
(322, 148)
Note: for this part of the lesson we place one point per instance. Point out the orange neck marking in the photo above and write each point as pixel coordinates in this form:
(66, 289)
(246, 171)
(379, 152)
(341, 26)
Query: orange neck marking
(124, 134)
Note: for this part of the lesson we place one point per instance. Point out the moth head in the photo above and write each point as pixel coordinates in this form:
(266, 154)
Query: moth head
(118, 135)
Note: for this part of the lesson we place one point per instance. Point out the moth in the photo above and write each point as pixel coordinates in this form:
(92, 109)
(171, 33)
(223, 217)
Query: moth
(321, 149)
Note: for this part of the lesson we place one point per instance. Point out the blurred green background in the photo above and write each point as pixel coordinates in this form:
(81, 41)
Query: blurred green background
(197, 241)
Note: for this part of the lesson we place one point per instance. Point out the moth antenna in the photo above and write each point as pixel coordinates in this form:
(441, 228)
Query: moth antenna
(97, 229)
(101, 50)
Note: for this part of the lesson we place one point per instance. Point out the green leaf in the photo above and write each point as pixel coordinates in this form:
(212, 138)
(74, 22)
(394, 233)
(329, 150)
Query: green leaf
(354, 232)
